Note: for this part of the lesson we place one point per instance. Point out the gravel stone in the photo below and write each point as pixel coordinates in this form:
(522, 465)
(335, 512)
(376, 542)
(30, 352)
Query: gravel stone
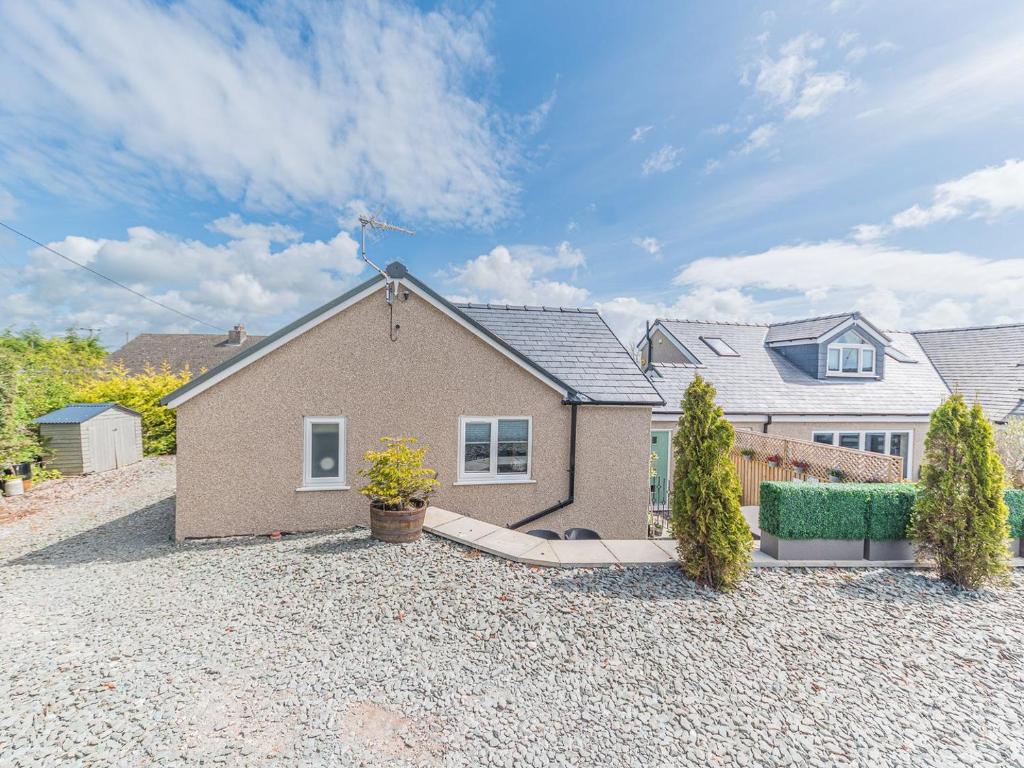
(118, 647)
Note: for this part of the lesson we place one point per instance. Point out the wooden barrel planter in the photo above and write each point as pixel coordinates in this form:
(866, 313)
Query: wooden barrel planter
(396, 526)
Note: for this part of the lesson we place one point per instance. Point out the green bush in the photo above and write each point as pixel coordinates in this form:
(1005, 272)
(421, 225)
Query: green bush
(713, 538)
(814, 510)
(960, 516)
(799, 509)
(889, 513)
(1015, 501)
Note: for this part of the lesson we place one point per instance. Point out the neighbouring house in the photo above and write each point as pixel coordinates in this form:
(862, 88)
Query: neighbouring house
(91, 437)
(985, 364)
(196, 351)
(838, 380)
(525, 411)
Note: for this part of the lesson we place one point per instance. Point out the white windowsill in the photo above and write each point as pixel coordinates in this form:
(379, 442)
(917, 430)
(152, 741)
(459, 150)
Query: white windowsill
(494, 481)
(324, 488)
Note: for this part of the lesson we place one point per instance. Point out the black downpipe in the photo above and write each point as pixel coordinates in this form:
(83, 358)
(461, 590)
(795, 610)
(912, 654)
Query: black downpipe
(767, 423)
(572, 479)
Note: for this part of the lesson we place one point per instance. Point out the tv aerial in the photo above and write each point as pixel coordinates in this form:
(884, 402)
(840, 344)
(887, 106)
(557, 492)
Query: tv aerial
(375, 224)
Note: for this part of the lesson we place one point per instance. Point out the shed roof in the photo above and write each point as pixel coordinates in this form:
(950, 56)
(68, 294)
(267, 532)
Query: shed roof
(77, 413)
(985, 363)
(761, 381)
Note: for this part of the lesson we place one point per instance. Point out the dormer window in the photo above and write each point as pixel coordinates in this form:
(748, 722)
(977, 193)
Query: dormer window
(851, 355)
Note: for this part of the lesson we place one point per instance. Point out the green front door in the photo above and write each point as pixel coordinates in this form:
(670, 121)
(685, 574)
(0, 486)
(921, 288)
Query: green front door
(659, 461)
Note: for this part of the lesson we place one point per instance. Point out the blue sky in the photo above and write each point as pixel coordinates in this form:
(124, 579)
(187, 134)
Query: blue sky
(704, 160)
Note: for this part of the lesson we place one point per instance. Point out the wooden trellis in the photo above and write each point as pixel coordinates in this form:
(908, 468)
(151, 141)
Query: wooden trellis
(820, 459)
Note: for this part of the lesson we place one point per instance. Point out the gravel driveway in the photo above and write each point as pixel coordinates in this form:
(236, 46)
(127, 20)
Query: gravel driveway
(118, 647)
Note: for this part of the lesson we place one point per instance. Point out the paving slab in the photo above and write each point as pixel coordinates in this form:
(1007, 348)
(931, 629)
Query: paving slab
(588, 553)
(638, 551)
(435, 516)
(507, 543)
(466, 529)
(542, 554)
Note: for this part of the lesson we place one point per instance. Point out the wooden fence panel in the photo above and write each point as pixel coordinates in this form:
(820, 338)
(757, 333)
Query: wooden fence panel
(819, 458)
(752, 472)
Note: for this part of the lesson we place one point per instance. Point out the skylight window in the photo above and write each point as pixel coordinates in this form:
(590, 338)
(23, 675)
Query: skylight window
(719, 347)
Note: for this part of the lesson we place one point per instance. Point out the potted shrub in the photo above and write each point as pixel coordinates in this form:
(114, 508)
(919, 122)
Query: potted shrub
(747, 453)
(13, 485)
(774, 460)
(399, 487)
(835, 475)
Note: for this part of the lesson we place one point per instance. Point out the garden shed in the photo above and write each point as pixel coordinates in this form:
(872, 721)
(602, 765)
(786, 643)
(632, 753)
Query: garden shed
(92, 437)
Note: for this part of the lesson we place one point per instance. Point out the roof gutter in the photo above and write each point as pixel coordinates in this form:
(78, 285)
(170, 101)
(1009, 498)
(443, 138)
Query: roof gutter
(572, 478)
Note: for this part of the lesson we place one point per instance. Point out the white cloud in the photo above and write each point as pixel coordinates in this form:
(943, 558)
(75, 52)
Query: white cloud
(779, 79)
(640, 132)
(866, 233)
(988, 193)
(276, 107)
(233, 226)
(758, 138)
(906, 284)
(518, 275)
(245, 278)
(817, 92)
(649, 244)
(662, 161)
(535, 119)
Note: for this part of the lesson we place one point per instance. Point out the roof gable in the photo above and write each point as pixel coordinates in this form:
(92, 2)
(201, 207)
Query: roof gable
(511, 347)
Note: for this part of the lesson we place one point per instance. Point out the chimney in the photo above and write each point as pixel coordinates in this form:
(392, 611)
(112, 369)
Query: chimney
(236, 336)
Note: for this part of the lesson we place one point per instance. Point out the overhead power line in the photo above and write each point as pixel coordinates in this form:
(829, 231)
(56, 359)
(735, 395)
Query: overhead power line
(89, 269)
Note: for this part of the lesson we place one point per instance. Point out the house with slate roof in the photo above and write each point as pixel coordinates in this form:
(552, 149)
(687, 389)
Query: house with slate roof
(196, 351)
(525, 411)
(985, 364)
(837, 379)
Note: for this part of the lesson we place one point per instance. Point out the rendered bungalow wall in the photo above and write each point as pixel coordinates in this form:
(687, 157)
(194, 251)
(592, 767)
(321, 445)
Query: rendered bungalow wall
(240, 443)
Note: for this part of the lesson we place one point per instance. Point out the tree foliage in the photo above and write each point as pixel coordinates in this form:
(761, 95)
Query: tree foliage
(140, 392)
(713, 538)
(37, 375)
(1010, 447)
(959, 518)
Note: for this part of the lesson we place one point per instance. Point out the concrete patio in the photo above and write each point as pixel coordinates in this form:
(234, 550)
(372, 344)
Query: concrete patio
(523, 548)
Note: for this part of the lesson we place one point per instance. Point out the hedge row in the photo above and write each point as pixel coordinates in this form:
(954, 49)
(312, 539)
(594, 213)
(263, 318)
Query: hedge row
(877, 511)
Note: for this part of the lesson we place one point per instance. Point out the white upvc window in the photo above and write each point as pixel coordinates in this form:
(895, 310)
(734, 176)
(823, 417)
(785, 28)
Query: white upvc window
(896, 442)
(495, 449)
(850, 355)
(323, 454)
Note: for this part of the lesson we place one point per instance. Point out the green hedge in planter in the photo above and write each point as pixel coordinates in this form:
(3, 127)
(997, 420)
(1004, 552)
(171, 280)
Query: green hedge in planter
(877, 511)
(813, 510)
(1015, 501)
(889, 512)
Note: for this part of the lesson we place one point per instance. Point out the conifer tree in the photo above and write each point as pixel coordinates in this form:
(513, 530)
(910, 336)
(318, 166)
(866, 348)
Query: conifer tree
(960, 517)
(714, 539)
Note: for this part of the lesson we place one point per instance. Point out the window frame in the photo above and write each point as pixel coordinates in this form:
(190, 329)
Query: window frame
(861, 371)
(492, 477)
(310, 483)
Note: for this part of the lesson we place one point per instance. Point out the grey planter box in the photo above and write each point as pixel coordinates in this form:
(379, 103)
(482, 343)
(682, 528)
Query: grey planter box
(900, 549)
(811, 549)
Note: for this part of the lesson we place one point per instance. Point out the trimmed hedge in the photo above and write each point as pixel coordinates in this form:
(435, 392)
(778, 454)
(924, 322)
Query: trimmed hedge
(1015, 501)
(813, 511)
(877, 511)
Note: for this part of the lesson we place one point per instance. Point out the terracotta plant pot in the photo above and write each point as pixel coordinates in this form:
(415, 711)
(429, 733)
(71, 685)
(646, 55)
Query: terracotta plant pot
(396, 526)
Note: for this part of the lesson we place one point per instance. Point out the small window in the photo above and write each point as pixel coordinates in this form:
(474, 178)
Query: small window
(833, 359)
(849, 440)
(494, 449)
(867, 360)
(851, 337)
(719, 346)
(323, 463)
(874, 442)
(828, 438)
